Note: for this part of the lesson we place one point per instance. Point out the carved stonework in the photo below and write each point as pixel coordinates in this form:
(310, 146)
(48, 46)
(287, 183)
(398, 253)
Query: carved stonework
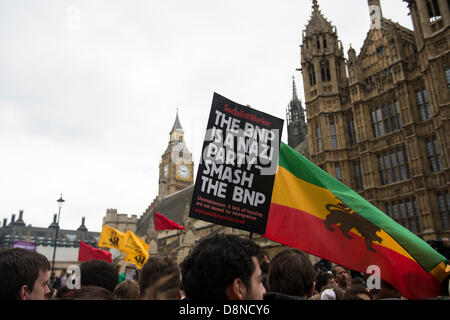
(441, 45)
(388, 70)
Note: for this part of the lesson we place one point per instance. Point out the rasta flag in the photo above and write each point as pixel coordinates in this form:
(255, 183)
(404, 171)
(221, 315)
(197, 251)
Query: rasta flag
(314, 212)
(110, 238)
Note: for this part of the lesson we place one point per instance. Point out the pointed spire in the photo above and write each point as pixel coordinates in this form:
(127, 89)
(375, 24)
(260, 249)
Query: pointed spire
(177, 124)
(317, 22)
(82, 227)
(20, 222)
(294, 90)
(315, 5)
(295, 106)
(54, 223)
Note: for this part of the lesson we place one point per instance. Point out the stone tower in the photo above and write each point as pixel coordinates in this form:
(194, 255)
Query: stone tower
(176, 167)
(383, 129)
(326, 92)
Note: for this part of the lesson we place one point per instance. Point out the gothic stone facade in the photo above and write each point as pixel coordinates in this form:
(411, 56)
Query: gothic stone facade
(379, 121)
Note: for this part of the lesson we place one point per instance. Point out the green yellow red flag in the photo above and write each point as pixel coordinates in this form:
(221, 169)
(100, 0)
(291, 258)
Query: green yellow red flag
(110, 238)
(316, 213)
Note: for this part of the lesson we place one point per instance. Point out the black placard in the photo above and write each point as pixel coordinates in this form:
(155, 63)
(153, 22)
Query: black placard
(237, 170)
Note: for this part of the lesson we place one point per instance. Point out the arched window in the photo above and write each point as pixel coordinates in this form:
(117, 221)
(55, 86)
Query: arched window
(434, 12)
(325, 71)
(312, 75)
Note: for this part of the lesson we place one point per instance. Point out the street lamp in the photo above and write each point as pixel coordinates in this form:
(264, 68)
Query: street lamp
(60, 204)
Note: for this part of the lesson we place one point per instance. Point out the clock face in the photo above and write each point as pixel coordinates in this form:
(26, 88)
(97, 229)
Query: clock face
(183, 171)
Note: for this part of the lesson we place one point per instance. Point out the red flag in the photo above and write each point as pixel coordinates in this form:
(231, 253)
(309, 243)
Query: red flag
(163, 223)
(87, 253)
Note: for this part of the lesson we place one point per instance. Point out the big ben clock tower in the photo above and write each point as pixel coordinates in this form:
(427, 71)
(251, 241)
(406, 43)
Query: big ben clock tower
(176, 167)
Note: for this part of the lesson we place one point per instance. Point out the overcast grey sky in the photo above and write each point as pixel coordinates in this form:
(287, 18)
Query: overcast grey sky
(89, 89)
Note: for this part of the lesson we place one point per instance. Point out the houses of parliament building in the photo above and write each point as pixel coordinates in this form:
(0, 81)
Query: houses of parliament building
(379, 121)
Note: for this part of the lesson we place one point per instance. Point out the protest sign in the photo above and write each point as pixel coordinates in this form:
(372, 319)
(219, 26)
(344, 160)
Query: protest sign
(236, 173)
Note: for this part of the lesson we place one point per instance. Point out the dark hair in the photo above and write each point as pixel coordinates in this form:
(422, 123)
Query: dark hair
(322, 279)
(19, 267)
(126, 290)
(160, 279)
(358, 281)
(353, 292)
(88, 293)
(338, 266)
(264, 266)
(386, 291)
(99, 273)
(444, 287)
(215, 263)
(292, 273)
(61, 291)
(262, 254)
(323, 265)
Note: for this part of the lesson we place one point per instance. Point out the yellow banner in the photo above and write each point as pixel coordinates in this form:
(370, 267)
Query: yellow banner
(110, 238)
(133, 244)
(136, 249)
(137, 259)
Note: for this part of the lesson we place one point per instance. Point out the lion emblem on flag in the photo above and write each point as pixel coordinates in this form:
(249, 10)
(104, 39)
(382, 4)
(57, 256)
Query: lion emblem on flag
(348, 219)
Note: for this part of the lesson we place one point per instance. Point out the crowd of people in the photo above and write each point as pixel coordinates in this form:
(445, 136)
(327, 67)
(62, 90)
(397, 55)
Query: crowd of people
(220, 267)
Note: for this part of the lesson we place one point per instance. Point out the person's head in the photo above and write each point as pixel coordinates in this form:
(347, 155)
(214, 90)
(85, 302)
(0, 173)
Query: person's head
(160, 279)
(292, 273)
(323, 266)
(61, 291)
(358, 281)
(386, 291)
(324, 279)
(357, 293)
(99, 273)
(223, 267)
(88, 293)
(126, 290)
(332, 292)
(263, 259)
(342, 276)
(23, 275)
(445, 287)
